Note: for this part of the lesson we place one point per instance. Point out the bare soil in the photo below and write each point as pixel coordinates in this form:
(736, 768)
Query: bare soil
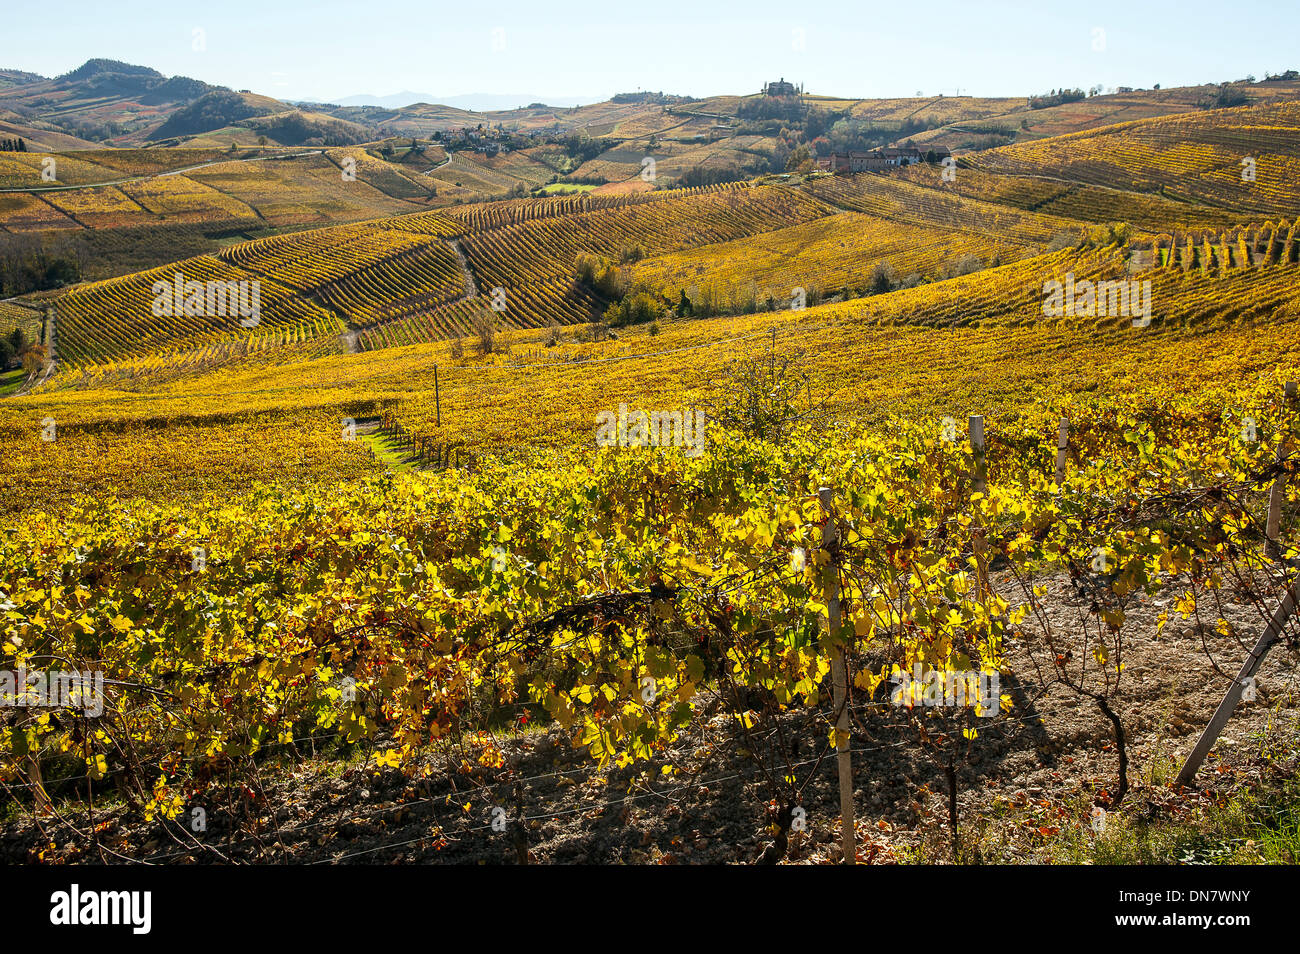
(1029, 776)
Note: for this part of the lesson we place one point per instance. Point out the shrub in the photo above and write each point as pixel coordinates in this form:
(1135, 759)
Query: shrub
(766, 395)
(599, 273)
(883, 279)
(485, 331)
(635, 309)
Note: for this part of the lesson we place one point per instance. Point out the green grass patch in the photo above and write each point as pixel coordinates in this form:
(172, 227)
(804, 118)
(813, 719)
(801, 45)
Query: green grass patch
(563, 188)
(11, 381)
(389, 452)
(1255, 826)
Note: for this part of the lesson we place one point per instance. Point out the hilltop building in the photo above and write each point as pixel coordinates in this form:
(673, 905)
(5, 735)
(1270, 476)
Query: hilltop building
(781, 88)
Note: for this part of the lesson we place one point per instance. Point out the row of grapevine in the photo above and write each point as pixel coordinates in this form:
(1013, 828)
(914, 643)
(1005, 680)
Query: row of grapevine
(494, 215)
(447, 598)
(1070, 200)
(887, 196)
(1273, 243)
(545, 249)
(536, 305)
(106, 320)
(1246, 158)
(416, 280)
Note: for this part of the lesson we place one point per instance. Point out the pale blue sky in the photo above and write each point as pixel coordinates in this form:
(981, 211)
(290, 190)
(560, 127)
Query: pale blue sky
(329, 50)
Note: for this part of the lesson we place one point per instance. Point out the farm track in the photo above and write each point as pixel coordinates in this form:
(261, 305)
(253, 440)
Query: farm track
(51, 359)
(471, 287)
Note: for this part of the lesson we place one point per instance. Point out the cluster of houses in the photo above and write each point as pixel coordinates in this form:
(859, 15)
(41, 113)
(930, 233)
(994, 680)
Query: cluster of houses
(484, 140)
(878, 160)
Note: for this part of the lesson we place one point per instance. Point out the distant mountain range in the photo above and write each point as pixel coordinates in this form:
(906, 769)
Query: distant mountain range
(474, 102)
(108, 102)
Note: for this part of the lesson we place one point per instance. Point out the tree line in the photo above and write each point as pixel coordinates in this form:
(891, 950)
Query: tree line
(30, 263)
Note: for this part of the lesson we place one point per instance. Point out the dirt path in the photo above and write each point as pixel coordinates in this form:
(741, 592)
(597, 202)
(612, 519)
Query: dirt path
(51, 347)
(443, 164)
(471, 287)
(36, 379)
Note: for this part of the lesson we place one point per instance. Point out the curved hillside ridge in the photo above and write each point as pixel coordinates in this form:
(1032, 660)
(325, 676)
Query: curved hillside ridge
(546, 249)
(888, 196)
(1243, 158)
(1075, 201)
(835, 255)
(119, 317)
(1282, 118)
(489, 215)
(402, 280)
(364, 274)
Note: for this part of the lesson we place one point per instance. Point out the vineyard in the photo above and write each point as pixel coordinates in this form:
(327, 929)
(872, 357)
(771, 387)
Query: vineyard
(401, 281)
(1073, 200)
(426, 619)
(1190, 158)
(835, 254)
(418, 559)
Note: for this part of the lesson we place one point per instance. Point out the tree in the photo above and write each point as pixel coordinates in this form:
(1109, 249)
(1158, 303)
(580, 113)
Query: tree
(485, 330)
(765, 396)
(798, 159)
(33, 358)
(635, 309)
(684, 307)
(599, 273)
(883, 278)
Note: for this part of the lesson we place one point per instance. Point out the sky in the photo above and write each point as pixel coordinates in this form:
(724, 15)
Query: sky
(325, 51)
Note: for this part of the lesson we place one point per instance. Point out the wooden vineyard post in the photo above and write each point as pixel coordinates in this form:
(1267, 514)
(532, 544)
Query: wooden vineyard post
(1277, 494)
(437, 402)
(1272, 634)
(981, 471)
(1062, 449)
(839, 683)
